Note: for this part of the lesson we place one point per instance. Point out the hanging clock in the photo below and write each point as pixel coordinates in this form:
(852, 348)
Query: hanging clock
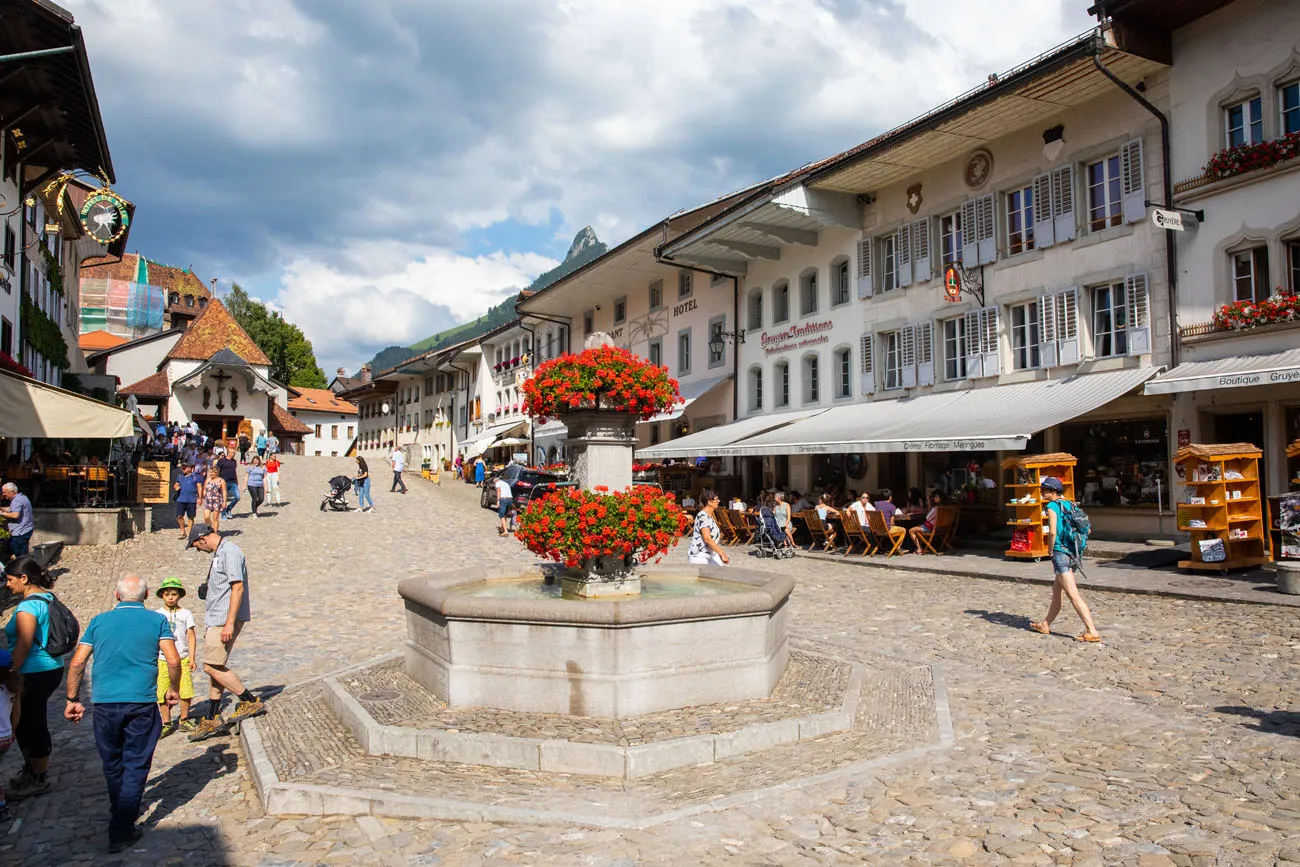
(855, 466)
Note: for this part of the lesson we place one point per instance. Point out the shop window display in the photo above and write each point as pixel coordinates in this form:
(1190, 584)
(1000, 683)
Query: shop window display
(963, 477)
(1121, 463)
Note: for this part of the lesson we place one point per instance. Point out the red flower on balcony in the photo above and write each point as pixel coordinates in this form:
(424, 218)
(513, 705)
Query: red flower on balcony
(1241, 315)
(1248, 157)
(605, 378)
(8, 363)
(573, 525)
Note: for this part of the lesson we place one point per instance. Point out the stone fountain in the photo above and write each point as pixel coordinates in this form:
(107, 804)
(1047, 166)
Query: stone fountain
(617, 640)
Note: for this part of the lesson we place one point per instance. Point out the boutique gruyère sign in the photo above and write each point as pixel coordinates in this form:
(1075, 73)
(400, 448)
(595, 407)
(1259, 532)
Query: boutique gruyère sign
(796, 337)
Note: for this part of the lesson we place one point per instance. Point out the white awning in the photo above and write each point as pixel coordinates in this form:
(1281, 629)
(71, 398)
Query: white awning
(1001, 417)
(476, 445)
(719, 440)
(552, 430)
(691, 392)
(29, 408)
(1236, 371)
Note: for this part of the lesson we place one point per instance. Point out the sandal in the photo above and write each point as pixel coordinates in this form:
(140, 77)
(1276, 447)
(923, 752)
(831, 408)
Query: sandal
(1091, 639)
(1040, 626)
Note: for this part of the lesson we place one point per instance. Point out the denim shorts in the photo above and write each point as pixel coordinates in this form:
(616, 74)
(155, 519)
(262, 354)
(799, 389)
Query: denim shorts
(1062, 562)
(504, 506)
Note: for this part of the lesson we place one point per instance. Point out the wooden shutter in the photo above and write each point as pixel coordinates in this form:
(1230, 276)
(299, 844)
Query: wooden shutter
(865, 289)
(1067, 326)
(903, 254)
(969, 236)
(868, 364)
(1139, 316)
(907, 355)
(1133, 181)
(989, 341)
(925, 354)
(986, 229)
(1063, 203)
(1044, 225)
(921, 250)
(1047, 331)
(974, 358)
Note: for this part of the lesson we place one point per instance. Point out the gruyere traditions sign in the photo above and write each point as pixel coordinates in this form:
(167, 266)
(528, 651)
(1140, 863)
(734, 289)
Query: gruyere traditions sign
(796, 337)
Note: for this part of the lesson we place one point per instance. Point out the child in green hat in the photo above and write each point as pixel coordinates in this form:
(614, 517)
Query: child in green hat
(182, 624)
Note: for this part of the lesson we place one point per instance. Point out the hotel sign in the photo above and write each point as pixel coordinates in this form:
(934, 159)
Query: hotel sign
(796, 337)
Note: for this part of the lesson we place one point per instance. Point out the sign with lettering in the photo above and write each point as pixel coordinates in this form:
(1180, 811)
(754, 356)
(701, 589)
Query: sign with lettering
(1228, 380)
(1176, 221)
(796, 337)
(685, 307)
(105, 216)
(153, 481)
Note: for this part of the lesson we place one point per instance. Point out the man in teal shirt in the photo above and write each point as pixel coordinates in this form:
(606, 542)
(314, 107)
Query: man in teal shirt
(260, 443)
(125, 641)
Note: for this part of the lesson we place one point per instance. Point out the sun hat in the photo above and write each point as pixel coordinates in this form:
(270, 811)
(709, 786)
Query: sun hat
(170, 584)
(1051, 483)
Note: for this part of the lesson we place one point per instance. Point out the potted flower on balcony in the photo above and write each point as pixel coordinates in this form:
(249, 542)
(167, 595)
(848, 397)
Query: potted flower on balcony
(1242, 315)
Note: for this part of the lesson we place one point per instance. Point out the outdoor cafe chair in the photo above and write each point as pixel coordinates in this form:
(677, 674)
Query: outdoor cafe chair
(96, 486)
(941, 536)
(885, 534)
(57, 484)
(817, 529)
(726, 532)
(746, 525)
(855, 534)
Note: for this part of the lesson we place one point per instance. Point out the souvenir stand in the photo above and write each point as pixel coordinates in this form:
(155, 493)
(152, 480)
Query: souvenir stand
(1284, 511)
(1220, 506)
(1026, 514)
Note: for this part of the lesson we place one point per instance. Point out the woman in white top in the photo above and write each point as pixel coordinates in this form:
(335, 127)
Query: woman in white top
(705, 550)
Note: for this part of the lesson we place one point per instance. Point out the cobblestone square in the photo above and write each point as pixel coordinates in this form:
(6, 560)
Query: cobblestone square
(1173, 742)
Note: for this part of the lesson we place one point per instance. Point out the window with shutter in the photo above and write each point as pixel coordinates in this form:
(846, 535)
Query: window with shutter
(1139, 317)
(1047, 330)
(907, 355)
(986, 230)
(865, 289)
(974, 357)
(989, 341)
(1063, 204)
(1133, 181)
(1067, 326)
(1024, 336)
(921, 250)
(891, 358)
(925, 354)
(1044, 224)
(903, 254)
(970, 219)
(867, 367)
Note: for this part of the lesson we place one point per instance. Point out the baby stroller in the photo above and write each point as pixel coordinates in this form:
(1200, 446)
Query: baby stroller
(337, 498)
(772, 541)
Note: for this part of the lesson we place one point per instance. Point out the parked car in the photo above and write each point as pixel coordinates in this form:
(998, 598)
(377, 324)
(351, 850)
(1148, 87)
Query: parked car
(541, 489)
(521, 479)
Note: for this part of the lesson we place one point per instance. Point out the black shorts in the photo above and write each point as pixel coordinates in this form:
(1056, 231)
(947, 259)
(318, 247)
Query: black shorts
(186, 510)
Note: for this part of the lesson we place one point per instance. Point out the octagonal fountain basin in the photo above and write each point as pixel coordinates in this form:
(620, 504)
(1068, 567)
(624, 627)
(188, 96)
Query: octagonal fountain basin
(696, 635)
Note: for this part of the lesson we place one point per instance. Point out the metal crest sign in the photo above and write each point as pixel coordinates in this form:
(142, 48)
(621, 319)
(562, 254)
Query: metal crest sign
(105, 216)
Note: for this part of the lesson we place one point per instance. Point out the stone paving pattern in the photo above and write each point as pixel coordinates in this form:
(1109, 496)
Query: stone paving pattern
(811, 684)
(1173, 743)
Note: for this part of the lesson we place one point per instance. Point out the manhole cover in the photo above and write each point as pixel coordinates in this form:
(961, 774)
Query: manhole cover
(380, 695)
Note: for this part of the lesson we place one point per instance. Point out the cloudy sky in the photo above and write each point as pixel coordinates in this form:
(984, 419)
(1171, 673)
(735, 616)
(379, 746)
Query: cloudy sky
(381, 169)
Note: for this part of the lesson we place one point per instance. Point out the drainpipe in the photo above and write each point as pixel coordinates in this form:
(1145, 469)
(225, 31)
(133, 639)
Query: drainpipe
(532, 341)
(1171, 249)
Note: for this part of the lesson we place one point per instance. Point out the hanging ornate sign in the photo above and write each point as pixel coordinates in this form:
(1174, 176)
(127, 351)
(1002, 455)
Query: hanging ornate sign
(105, 216)
(952, 284)
(914, 198)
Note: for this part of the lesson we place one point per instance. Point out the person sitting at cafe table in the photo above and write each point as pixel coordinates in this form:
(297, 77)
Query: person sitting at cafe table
(885, 505)
(781, 511)
(801, 503)
(861, 506)
(915, 502)
(931, 518)
(826, 511)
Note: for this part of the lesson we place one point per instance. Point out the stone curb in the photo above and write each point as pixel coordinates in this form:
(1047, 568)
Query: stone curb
(571, 757)
(1091, 586)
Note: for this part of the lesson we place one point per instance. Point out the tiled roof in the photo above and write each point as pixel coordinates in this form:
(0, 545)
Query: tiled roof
(347, 382)
(215, 329)
(320, 400)
(111, 268)
(167, 277)
(153, 385)
(93, 341)
(282, 422)
(174, 279)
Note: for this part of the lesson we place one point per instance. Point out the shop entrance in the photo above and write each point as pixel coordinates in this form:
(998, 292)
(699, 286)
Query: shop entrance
(1243, 427)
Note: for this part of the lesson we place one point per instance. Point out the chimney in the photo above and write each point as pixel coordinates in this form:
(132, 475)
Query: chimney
(343, 371)
(365, 373)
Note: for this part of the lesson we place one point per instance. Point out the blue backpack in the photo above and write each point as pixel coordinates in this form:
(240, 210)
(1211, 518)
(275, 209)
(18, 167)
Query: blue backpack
(1073, 526)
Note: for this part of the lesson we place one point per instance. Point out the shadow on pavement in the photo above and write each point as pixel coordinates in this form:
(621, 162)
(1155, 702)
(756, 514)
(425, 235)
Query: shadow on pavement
(1274, 722)
(178, 785)
(1002, 618)
(191, 844)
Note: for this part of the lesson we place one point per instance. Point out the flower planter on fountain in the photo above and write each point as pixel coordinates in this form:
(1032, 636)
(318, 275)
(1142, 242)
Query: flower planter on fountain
(614, 638)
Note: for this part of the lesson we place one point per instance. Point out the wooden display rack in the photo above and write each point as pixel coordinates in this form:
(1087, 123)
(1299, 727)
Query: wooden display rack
(1031, 515)
(1231, 505)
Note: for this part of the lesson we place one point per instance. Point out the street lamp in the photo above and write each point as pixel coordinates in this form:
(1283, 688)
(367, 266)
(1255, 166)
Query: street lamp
(720, 338)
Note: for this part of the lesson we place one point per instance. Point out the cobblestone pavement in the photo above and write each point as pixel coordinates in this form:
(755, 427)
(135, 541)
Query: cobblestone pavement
(1174, 742)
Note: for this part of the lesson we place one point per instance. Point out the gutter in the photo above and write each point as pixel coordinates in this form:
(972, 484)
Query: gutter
(1171, 249)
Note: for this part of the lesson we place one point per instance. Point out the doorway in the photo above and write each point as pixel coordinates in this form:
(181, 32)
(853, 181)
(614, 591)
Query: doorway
(1243, 427)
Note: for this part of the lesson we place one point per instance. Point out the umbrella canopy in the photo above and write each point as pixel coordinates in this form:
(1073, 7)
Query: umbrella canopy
(29, 408)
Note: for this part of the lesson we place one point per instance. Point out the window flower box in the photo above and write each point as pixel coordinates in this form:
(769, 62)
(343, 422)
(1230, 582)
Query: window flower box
(1248, 157)
(1241, 315)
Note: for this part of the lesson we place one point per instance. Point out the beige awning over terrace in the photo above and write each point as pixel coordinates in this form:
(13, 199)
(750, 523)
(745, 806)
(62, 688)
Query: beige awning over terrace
(29, 408)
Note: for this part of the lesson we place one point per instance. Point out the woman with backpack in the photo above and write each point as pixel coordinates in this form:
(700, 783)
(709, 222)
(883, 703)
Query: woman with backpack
(1064, 559)
(34, 671)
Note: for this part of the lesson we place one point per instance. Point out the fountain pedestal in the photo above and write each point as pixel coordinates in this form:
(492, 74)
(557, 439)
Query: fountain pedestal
(600, 448)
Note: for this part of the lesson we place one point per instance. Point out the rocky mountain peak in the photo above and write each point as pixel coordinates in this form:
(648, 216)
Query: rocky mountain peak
(582, 241)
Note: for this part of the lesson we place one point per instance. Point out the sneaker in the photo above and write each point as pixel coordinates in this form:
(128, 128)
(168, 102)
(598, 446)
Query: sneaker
(247, 709)
(121, 844)
(168, 730)
(188, 725)
(22, 778)
(255, 516)
(210, 728)
(28, 787)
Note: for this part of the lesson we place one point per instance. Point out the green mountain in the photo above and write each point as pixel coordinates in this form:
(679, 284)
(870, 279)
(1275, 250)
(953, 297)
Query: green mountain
(585, 247)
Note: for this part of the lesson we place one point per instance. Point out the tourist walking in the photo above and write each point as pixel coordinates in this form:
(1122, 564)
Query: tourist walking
(273, 480)
(397, 460)
(255, 480)
(1064, 560)
(460, 463)
(229, 471)
(125, 641)
(244, 446)
(36, 674)
(505, 503)
(480, 470)
(187, 498)
(18, 512)
(181, 622)
(8, 719)
(227, 608)
(705, 550)
(273, 445)
(214, 498)
(260, 445)
(361, 484)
